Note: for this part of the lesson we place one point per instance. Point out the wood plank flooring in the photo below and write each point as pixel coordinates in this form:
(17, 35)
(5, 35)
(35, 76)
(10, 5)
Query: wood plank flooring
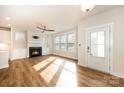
(53, 71)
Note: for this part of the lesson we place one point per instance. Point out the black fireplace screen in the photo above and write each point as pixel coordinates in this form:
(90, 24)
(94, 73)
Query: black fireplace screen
(35, 51)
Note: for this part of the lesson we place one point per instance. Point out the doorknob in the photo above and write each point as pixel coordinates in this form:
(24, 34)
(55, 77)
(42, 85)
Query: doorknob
(91, 54)
(79, 44)
(88, 49)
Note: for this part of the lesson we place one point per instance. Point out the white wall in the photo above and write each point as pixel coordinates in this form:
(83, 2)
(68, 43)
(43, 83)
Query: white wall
(115, 16)
(65, 53)
(18, 48)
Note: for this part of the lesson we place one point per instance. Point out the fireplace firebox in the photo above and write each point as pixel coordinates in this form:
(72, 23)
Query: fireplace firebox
(35, 51)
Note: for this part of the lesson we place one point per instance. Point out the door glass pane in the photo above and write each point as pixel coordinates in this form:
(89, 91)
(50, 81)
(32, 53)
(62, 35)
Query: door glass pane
(94, 50)
(97, 37)
(101, 50)
(93, 38)
(97, 50)
(101, 37)
(97, 44)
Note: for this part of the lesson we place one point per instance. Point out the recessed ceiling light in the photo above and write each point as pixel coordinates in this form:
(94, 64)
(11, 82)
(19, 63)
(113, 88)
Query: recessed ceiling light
(7, 18)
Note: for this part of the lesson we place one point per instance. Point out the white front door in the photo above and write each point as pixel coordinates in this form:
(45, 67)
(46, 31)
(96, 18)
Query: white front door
(98, 40)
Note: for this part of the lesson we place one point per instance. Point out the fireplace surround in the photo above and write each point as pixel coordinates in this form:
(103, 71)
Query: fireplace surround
(35, 51)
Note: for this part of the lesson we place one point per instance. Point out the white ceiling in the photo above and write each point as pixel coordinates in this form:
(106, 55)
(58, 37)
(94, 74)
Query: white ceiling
(58, 17)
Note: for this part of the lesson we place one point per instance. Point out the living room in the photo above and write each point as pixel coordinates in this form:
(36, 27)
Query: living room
(61, 46)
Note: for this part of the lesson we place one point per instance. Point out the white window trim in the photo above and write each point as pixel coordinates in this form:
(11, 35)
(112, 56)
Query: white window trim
(61, 34)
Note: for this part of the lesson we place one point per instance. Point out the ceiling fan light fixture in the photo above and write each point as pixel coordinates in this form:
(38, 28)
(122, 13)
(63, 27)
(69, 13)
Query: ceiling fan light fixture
(44, 29)
(87, 8)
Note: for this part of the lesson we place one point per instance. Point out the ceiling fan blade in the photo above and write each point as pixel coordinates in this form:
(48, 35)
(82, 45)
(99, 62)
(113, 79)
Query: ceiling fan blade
(44, 29)
(49, 30)
(40, 28)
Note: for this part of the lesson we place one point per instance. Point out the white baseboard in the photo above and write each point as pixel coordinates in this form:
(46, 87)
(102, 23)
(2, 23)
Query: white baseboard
(82, 65)
(65, 56)
(4, 66)
(121, 75)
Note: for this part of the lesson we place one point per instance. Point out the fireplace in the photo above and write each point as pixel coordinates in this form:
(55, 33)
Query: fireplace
(35, 51)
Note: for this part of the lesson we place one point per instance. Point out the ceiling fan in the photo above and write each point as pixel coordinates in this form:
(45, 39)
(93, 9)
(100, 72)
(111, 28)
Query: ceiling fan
(43, 28)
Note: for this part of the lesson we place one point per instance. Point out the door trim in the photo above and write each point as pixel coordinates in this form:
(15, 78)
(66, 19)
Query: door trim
(110, 25)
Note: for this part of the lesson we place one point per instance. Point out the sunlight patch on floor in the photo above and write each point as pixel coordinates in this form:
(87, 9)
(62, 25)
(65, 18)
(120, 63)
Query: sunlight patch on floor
(70, 66)
(68, 76)
(67, 79)
(42, 64)
(51, 70)
(50, 59)
(58, 61)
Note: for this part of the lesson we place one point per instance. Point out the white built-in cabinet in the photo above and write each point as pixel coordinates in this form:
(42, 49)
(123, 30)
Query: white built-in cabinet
(5, 40)
(4, 56)
(5, 36)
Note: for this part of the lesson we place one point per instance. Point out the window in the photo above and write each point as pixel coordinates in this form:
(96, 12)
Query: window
(57, 47)
(71, 38)
(57, 40)
(65, 42)
(71, 42)
(57, 43)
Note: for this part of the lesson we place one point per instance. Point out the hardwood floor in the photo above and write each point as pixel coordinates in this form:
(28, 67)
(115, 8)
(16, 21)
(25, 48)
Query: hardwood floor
(51, 71)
